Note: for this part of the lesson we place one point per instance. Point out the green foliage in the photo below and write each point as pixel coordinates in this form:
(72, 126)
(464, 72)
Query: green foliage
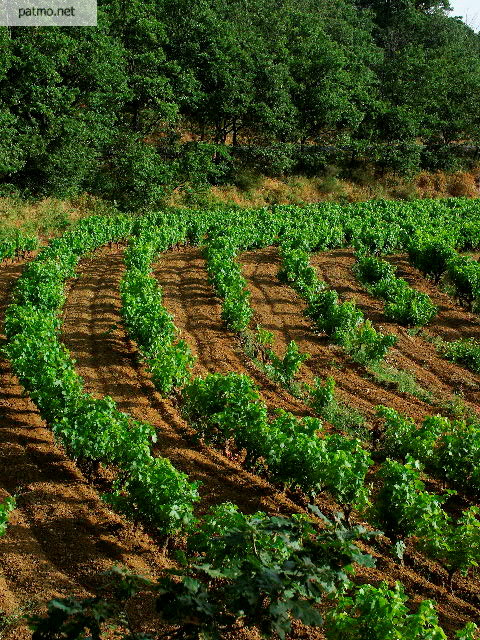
(295, 90)
(404, 304)
(217, 405)
(371, 269)
(69, 619)
(336, 319)
(264, 337)
(402, 507)
(322, 398)
(323, 394)
(377, 239)
(89, 428)
(342, 321)
(6, 507)
(456, 545)
(14, 242)
(285, 369)
(410, 308)
(224, 407)
(464, 273)
(430, 257)
(260, 569)
(449, 448)
(436, 258)
(297, 271)
(231, 286)
(459, 455)
(465, 351)
(401, 436)
(265, 571)
(366, 345)
(381, 613)
(169, 360)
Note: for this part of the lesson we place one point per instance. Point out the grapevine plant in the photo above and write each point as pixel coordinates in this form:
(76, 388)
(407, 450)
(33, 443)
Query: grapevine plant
(294, 451)
(343, 322)
(404, 508)
(169, 360)
(89, 428)
(6, 508)
(261, 572)
(449, 448)
(14, 242)
(403, 304)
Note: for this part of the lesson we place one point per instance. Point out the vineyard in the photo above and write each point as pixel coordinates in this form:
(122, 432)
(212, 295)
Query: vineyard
(270, 415)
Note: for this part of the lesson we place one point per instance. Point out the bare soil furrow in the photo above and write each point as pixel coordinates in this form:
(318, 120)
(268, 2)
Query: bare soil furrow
(279, 309)
(109, 364)
(411, 352)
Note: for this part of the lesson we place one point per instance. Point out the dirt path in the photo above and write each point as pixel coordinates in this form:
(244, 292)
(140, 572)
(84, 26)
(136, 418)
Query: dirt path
(108, 362)
(61, 536)
(279, 308)
(411, 353)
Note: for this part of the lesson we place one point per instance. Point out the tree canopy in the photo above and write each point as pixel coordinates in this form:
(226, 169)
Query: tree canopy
(162, 88)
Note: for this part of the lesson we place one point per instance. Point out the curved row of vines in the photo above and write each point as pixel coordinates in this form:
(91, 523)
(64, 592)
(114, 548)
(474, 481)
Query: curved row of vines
(260, 569)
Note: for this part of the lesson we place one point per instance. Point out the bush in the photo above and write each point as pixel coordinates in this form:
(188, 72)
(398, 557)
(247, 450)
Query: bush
(371, 269)
(224, 407)
(285, 369)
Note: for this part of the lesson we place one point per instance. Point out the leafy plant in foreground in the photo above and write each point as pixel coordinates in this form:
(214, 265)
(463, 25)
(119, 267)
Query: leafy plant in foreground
(258, 570)
(263, 570)
(380, 613)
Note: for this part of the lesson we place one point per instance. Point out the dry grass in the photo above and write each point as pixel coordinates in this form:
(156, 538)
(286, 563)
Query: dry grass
(49, 216)
(299, 190)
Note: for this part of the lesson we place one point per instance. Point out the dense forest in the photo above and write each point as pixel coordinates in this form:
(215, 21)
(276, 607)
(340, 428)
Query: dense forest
(165, 93)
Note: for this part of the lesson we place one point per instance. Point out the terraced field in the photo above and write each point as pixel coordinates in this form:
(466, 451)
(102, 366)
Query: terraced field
(150, 323)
